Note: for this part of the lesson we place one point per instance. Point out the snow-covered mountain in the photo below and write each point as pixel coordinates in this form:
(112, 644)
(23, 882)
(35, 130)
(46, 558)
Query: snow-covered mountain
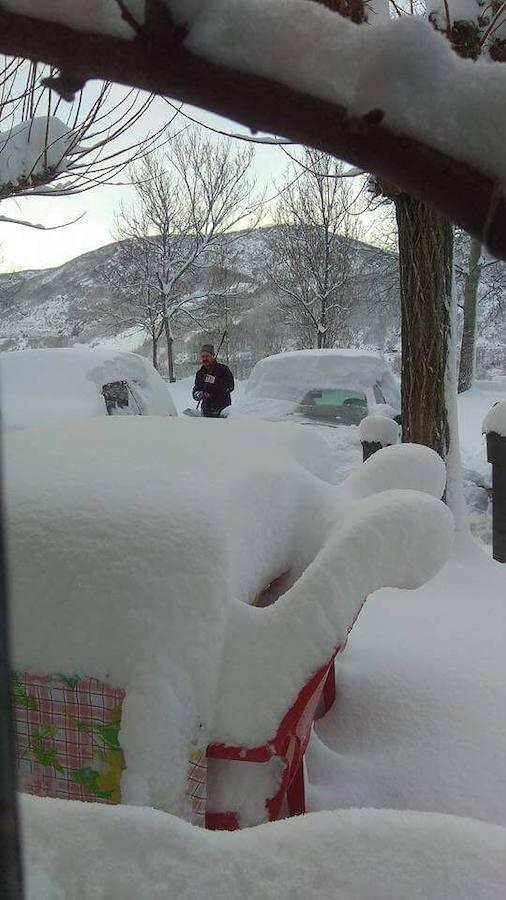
(80, 302)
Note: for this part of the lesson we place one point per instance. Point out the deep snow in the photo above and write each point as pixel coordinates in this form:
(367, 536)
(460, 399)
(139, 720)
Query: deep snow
(176, 511)
(344, 443)
(419, 722)
(76, 851)
(148, 537)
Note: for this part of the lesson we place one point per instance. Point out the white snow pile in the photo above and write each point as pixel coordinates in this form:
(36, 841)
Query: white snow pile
(32, 148)
(399, 467)
(137, 543)
(379, 430)
(54, 386)
(78, 851)
(419, 721)
(495, 420)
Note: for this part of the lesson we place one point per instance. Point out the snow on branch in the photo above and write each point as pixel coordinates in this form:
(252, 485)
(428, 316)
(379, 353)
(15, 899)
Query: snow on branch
(395, 99)
(31, 150)
(9, 220)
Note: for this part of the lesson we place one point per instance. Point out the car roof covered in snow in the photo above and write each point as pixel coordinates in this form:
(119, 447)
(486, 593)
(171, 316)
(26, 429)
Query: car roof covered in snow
(289, 376)
(54, 386)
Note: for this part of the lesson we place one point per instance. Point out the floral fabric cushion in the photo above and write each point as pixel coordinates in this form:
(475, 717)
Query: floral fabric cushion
(67, 734)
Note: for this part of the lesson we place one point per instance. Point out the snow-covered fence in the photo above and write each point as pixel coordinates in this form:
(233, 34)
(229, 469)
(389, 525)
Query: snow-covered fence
(377, 432)
(494, 425)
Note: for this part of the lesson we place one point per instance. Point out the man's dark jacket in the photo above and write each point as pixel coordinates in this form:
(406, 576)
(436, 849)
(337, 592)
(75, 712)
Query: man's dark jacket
(219, 391)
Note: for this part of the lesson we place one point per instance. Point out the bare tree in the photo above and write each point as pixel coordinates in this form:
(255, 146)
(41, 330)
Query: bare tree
(132, 280)
(188, 204)
(313, 253)
(482, 285)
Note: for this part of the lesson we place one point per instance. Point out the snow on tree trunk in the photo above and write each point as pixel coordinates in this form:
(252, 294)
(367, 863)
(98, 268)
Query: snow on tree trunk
(454, 480)
(425, 264)
(468, 345)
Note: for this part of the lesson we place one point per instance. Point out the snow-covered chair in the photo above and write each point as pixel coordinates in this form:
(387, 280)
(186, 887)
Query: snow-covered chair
(278, 660)
(135, 547)
(128, 537)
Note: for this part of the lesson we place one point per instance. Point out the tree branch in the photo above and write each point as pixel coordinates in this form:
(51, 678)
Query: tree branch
(27, 224)
(161, 64)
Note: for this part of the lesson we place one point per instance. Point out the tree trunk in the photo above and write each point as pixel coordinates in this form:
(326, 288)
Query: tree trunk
(468, 345)
(425, 266)
(154, 348)
(170, 349)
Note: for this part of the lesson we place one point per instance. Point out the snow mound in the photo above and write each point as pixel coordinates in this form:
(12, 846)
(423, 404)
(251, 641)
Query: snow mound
(419, 722)
(125, 854)
(379, 430)
(51, 387)
(495, 420)
(305, 446)
(401, 466)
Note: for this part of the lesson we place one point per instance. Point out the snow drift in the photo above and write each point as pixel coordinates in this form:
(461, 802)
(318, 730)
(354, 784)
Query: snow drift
(77, 851)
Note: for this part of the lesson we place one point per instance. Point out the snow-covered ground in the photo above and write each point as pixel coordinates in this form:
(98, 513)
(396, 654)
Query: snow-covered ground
(77, 851)
(406, 775)
(344, 442)
(419, 722)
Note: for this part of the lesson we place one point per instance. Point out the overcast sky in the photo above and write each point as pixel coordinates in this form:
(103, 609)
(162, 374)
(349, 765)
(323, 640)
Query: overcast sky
(26, 248)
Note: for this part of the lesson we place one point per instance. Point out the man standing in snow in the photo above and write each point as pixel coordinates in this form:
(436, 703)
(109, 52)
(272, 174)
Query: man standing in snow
(214, 383)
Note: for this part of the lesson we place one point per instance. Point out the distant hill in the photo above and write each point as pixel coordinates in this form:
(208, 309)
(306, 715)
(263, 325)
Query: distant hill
(78, 302)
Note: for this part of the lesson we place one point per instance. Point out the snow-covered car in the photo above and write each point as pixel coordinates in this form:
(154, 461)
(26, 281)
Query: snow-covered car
(56, 386)
(330, 387)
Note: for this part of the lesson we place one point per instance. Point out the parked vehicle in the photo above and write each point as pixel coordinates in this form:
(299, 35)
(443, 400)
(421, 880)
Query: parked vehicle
(329, 387)
(56, 386)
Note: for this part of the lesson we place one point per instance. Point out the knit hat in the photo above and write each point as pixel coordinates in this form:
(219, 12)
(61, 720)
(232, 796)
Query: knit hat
(207, 348)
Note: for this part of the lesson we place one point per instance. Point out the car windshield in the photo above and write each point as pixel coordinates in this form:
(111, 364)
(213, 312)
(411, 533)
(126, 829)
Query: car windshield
(339, 406)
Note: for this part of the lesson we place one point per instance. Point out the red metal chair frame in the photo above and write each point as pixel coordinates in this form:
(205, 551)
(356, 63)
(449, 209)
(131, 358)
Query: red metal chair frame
(289, 745)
